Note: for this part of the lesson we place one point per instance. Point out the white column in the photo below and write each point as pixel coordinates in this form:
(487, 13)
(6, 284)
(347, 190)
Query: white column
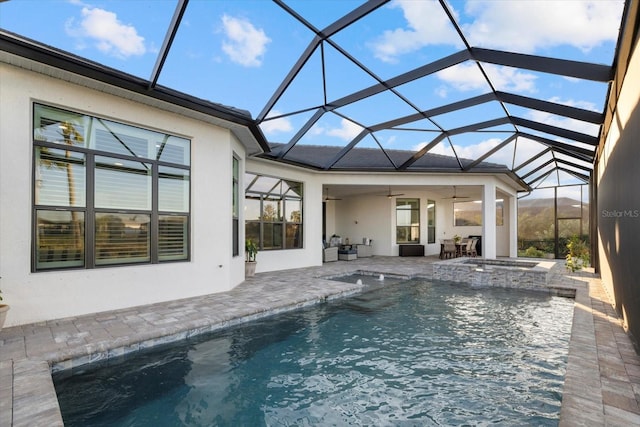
(489, 221)
(513, 226)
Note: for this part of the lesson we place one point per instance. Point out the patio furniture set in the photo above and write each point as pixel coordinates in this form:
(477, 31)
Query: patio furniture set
(449, 248)
(346, 252)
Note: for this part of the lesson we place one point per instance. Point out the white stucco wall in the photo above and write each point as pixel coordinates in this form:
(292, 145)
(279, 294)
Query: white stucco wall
(367, 217)
(54, 294)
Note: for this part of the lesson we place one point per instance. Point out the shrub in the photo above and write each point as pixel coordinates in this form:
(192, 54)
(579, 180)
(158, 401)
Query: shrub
(251, 250)
(533, 252)
(578, 254)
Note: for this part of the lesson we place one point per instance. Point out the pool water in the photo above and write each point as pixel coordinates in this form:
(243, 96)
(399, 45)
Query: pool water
(415, 353)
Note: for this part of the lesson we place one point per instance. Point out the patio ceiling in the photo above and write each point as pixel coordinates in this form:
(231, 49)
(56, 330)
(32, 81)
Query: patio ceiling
(399, 86)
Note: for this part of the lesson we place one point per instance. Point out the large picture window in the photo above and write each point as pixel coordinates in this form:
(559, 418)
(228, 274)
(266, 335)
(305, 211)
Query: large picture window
(273, 212)
(107, 193)
(470, 213)
(407, 221)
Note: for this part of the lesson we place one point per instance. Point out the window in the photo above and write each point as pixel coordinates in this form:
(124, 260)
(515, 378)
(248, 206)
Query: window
(235, 192)
(273, 212)
(106, 193)
(407, 221)
(431, 221)
(500, 212)
(470, 213)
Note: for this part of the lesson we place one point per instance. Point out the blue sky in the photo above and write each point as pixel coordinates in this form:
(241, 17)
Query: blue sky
(237, 53)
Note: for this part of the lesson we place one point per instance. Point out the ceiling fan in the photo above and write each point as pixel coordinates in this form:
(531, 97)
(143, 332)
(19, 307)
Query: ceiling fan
(390, 195)
(327, 198)
(455, 196)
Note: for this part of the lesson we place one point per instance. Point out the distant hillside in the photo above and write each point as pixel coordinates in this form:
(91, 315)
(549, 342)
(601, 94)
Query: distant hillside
(528, 203)
(536, 219)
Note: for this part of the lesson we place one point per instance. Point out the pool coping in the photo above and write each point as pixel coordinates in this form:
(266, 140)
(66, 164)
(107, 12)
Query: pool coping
(602, 380)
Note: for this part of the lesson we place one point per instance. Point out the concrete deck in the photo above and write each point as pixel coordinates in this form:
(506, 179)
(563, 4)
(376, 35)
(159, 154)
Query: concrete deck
(602, 383)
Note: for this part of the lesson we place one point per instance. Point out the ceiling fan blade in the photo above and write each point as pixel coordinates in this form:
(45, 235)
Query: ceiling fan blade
(327, 198)
(390, 194)
(455, 196)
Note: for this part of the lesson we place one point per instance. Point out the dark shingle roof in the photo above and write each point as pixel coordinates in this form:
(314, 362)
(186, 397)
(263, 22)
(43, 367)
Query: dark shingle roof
(318, 157)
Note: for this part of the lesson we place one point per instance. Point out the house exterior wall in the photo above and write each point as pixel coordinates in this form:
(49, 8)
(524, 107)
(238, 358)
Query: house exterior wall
(49, 295)
(618, 198)
(55, 294)
(311, 253)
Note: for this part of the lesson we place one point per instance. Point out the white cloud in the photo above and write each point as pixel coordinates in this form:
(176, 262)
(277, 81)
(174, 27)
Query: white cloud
(527, 26)
(317, 130)
(443, 148)
(420, 32)
(464, 77)
(467, 77)
(279, 125)
(585, 105)
(564, 122)
(347, 131)
(474, 151)
(526, 149)
(110, 36)
(523, 26)
(244, 44)
(572, 79)
(442, 91)
(510, 79)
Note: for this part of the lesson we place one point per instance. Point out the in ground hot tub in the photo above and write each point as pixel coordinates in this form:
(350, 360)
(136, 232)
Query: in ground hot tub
(504, 273)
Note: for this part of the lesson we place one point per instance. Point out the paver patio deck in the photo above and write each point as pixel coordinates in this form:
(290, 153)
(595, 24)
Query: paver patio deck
(602, 381)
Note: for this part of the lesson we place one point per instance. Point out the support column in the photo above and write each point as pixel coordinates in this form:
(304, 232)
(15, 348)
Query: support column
(513, 226)
(489, 221)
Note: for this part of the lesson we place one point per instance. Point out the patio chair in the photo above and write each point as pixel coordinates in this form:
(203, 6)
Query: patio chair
(449, 248)
(466, 248)
(329, 253)
(473, 251)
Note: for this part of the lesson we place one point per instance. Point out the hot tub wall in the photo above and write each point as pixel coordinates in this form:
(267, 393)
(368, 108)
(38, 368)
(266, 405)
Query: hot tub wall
(535, 278)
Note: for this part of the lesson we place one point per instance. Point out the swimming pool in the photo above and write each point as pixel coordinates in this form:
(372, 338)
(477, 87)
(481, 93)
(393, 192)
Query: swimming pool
(416, 353)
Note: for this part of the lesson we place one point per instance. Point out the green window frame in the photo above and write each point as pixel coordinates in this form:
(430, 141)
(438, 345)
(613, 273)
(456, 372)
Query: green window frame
(107, 193)
(407, 221)
(273, 212)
